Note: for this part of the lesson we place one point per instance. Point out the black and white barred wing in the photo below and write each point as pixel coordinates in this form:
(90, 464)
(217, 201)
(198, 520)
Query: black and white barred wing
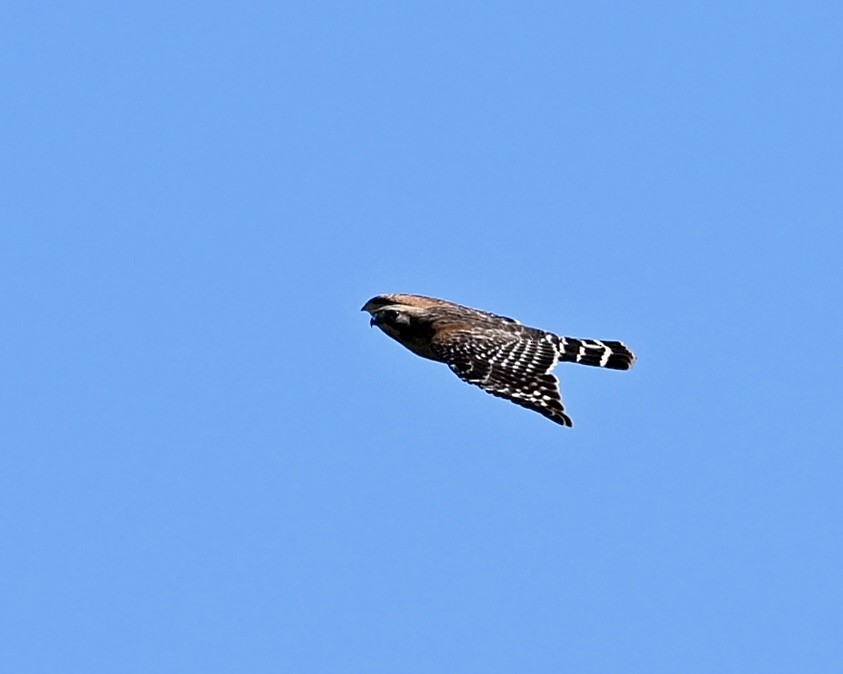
(514, 365)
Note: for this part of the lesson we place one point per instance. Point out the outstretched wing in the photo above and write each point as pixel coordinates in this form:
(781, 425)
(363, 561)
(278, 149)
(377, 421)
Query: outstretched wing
(510, 364)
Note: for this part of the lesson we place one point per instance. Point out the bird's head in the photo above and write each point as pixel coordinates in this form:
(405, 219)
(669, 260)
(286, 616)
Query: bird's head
(405, 318)
(392, 312)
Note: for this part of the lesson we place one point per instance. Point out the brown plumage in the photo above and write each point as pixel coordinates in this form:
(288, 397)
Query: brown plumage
(496, 353)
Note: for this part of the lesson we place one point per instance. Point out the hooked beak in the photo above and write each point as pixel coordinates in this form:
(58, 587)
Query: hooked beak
(366, 307)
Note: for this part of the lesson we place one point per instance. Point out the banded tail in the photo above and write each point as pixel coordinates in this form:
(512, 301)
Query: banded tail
(597, 352)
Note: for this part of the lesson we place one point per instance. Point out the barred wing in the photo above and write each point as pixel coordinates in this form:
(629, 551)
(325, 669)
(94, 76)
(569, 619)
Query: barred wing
(509, 364)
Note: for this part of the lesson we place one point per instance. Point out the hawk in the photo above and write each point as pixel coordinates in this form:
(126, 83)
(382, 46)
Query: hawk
(496, 353)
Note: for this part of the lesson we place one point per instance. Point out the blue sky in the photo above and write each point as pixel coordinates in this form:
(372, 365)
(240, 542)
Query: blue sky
(212, 464)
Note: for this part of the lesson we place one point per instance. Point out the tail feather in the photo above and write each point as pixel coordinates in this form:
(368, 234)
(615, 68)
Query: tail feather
(597, 352)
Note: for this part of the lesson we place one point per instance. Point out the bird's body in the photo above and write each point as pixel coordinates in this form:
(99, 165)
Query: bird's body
(496, 353)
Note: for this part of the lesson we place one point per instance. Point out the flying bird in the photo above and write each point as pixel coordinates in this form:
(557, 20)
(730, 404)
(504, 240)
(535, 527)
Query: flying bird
(496, 353)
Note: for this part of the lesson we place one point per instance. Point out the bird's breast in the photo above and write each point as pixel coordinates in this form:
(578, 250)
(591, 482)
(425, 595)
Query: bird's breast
(416, 340)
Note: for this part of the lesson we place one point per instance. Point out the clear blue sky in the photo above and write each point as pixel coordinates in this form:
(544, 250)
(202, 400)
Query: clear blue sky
(210, 463)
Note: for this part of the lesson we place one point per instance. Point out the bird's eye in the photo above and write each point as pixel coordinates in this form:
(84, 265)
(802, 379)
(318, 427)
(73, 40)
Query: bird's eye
(393, 317)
